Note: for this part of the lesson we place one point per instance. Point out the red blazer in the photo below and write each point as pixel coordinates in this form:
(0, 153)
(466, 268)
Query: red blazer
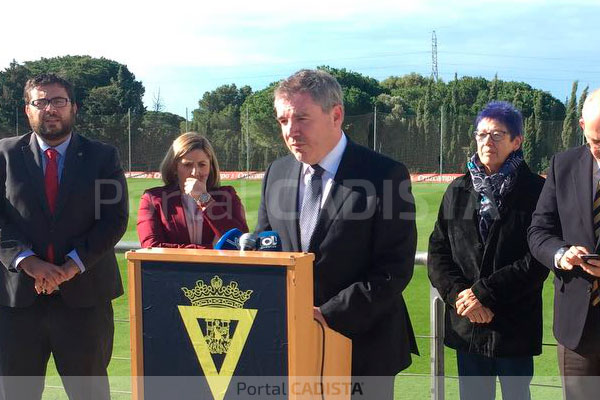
(161, 219)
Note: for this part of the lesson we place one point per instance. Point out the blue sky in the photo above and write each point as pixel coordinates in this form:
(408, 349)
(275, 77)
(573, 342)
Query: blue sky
(185, 48)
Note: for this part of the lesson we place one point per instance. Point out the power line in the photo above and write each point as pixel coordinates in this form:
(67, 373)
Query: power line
(508, 56)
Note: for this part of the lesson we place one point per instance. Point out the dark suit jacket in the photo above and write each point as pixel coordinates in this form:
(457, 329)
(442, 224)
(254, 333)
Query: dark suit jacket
(90, 217)
(162, 223)
(563, 217)
(364, 245)
(501, 272)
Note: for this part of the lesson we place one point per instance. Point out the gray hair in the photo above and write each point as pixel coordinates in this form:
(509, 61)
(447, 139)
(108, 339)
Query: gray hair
(322, 87)
(591, 106)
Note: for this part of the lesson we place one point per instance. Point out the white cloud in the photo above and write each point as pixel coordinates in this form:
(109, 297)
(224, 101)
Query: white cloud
(246, 40)
(178, 32)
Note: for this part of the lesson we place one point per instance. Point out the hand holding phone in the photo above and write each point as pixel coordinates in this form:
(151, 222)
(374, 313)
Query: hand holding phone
(586, 257)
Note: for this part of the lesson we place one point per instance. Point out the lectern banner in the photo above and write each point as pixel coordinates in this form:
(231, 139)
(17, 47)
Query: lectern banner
(210, 323)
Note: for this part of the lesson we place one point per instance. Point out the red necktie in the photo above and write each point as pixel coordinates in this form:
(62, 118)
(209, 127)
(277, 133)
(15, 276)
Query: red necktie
(51, 182)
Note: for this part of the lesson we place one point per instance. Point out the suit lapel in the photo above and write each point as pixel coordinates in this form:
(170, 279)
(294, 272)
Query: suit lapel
(336, 197)
(72, 166)
(289, 198)
(33, 162)
(583, 186)
(175, 210)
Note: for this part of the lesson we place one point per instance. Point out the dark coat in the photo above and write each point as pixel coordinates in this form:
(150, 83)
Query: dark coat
(364, 245)
(563, 217)
(90, 217)
(501, 272)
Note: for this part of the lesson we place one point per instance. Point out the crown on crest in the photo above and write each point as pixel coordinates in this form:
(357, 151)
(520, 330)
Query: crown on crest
(217, 295)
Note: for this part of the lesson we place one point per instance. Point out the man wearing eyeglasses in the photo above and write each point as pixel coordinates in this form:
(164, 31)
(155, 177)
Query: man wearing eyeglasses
(564, 230)
(63, 207)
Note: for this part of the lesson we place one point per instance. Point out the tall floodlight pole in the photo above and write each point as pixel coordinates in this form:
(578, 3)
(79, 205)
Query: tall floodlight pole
(434, 61)
(375, 129)
(441, 143)
(186, 119)
(129, 128)
(247, 142)
(17, 121)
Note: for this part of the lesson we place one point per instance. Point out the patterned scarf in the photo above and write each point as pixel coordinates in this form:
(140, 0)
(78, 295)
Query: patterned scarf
(493, 188)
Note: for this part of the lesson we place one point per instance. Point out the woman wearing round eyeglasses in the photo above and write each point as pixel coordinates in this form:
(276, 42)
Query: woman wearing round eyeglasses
(480, 263)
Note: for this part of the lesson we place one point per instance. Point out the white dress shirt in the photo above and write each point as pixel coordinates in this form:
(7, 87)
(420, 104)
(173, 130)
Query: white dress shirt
(330, 164)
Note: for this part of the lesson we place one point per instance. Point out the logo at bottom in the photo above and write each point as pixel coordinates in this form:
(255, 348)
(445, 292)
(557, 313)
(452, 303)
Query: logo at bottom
(217, 305)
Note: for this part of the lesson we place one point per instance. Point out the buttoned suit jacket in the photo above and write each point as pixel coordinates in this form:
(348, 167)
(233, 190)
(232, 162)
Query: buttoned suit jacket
(364, 244)
(563, 217)
(90, 216)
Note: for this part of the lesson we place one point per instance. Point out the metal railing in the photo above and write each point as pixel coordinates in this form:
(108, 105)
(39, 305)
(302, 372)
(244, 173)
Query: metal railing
(436, 303)
(438, 375)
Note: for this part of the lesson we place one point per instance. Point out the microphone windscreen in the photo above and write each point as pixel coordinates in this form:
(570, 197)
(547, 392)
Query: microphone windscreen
(230, 240)
(248, 241)
(269, 241)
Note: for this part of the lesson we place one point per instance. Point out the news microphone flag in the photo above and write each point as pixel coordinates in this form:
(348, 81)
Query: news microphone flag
(230, 240)
(269, 241)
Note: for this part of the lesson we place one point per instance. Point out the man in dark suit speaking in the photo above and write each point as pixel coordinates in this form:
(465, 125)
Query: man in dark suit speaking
(564, 228)
(63, 207)
(354, 210)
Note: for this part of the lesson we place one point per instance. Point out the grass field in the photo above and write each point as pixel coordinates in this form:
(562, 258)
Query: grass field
(413, 383)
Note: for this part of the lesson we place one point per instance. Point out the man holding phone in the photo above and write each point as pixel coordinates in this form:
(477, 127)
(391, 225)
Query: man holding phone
(586, 257)
(564, 231)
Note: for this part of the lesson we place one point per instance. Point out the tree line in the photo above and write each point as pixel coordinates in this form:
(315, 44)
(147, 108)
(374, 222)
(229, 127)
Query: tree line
(416, 119)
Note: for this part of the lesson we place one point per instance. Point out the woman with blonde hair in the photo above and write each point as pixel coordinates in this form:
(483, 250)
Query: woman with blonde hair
(191, 210)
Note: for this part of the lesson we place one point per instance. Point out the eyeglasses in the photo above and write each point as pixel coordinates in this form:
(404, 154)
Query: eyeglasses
(496, 136)
(57, 102)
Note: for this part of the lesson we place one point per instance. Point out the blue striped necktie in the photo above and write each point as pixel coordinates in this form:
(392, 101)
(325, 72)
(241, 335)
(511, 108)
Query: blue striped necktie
(311, 206)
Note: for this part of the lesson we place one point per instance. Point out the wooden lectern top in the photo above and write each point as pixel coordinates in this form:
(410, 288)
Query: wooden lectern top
(220, 256)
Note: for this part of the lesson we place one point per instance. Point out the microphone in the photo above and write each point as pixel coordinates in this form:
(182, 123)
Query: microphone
(269, 241)
(230, 240)
(248, 241)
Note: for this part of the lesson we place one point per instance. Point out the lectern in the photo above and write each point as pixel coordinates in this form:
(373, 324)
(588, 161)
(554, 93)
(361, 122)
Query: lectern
(217, 324)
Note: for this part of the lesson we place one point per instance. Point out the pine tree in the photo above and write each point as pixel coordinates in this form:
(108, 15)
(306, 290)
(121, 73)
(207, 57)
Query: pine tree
(518, 100)
(427, 117)
(541, 142)
(582, 98)
(529, 145)
(446, 134)
(454, 129)
(454, 158)
(569, 130)
(493, 95)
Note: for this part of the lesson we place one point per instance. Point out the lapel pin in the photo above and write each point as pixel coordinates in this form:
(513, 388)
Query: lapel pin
(79, 154)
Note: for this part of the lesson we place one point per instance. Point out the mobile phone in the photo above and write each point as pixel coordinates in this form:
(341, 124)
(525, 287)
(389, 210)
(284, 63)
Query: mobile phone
(586, 257)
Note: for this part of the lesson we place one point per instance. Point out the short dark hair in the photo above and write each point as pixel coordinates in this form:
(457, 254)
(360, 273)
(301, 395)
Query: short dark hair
(322, 87)
(505, 113)
(47, 79)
